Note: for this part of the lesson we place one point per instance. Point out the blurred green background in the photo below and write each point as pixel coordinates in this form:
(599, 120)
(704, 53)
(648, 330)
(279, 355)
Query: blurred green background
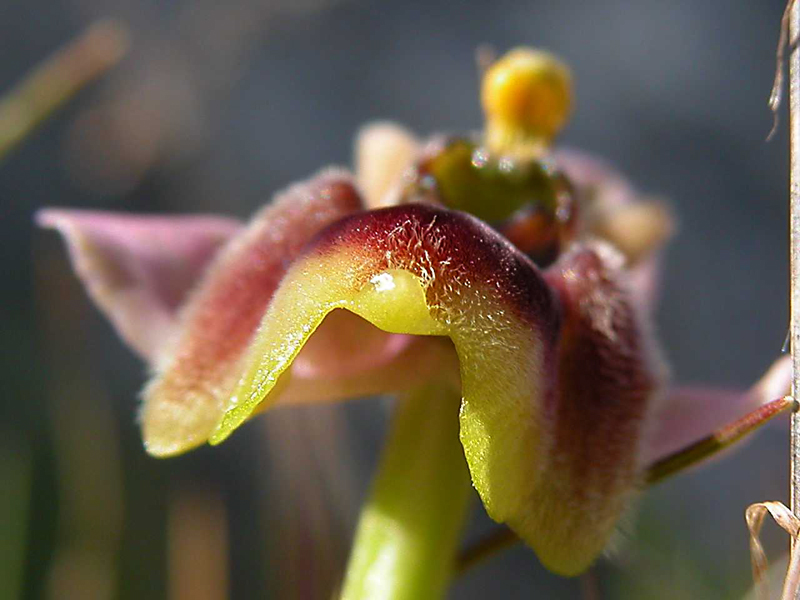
(217, 106)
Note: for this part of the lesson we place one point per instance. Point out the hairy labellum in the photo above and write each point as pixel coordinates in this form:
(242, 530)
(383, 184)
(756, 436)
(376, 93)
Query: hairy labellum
(530, 428)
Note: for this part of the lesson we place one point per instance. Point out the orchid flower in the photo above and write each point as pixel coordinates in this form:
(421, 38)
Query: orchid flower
(501, 289)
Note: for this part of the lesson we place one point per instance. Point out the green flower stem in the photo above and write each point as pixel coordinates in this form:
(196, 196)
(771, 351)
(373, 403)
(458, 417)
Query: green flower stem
(407, 537)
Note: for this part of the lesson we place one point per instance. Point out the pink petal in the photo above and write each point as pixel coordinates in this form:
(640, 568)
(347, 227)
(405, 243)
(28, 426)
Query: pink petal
(139, 269)
(184, 401)
(689, 414)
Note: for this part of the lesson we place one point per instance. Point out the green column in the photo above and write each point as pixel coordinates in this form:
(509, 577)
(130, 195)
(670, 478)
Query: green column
(409, 529)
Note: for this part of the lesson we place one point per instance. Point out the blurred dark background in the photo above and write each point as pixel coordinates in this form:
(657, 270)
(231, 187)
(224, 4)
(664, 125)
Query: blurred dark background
(217, 106)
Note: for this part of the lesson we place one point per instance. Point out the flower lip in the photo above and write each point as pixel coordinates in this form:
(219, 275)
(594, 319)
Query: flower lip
(535, 427)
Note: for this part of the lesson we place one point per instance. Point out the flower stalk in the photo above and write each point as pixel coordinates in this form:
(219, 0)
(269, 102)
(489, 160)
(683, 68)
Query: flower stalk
(408, 533)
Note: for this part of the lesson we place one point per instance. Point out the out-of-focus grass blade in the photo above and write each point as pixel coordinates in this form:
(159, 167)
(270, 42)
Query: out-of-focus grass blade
(198, 547)
(57, 79)
(15, 486)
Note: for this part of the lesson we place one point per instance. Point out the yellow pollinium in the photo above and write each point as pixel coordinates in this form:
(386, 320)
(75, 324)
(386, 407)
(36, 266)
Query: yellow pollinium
(526, 97)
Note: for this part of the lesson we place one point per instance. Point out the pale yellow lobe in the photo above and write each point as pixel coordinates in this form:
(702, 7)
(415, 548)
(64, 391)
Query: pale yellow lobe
(393, 300)
(502, 408)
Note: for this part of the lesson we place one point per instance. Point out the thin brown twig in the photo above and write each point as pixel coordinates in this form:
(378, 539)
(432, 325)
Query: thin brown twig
(719, 440)
(776, 94)
(793, 11)
(787, 518)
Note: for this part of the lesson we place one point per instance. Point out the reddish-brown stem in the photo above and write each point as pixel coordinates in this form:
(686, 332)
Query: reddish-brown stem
(724, 437)
(717, 441)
